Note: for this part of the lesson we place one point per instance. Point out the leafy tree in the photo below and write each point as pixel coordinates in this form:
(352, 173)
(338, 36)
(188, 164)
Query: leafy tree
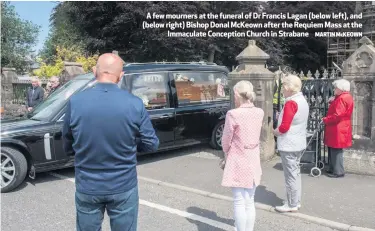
(62, 34)
(18, 37)
(48, 70)
(108, 26)
(72, 54)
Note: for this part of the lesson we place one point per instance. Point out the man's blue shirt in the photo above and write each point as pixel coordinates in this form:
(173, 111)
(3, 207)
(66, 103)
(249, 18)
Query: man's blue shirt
(104, 127)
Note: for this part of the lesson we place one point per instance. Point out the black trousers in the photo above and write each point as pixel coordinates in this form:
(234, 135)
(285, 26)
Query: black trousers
(275, 123)
(336, 160)
(274, 118)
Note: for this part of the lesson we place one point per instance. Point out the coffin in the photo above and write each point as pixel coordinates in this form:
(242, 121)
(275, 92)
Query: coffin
(190, 92)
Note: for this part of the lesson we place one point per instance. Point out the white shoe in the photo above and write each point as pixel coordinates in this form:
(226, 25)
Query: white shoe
(285, 208)
(298, 205)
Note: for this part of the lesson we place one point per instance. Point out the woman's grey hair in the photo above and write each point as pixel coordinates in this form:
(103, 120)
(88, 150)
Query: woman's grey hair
(245, 89)
(342, 84)
(292, 83)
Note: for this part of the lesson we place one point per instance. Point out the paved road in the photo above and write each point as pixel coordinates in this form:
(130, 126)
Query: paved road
(47, 203)
(348, 200)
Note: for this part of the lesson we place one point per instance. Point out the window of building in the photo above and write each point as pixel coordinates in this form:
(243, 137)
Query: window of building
(151, 88)
(201, 87)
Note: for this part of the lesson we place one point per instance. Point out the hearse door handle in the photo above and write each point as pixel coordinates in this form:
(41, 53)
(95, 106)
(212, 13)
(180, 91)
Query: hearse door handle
(164, 117)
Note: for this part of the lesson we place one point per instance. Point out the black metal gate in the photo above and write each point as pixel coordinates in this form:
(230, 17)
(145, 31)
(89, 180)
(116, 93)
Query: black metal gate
(317, 93)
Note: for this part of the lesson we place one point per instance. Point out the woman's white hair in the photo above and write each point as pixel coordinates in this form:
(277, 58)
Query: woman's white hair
(342, 84)
(245, 89)
(292, 83)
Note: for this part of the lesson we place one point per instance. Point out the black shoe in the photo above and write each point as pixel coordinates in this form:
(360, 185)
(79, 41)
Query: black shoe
(329, 171)
(335, 175)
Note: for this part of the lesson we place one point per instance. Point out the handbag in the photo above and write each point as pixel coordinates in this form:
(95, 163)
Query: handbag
(223, 162)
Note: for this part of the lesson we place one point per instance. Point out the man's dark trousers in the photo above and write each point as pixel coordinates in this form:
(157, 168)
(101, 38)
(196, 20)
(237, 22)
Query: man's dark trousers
(122, 210)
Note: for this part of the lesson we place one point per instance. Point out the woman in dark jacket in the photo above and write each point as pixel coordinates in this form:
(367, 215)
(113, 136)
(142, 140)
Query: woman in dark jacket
(338, 127)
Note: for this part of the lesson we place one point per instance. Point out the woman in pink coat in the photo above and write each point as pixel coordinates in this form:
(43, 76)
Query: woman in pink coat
(240, 142)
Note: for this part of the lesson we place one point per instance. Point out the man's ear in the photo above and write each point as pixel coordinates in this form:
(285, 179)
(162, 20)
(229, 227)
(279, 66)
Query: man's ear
(94, 70)
(121, 75)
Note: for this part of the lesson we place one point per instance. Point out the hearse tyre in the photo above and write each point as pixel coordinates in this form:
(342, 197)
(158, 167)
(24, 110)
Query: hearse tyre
(217, 134)
(13, 169)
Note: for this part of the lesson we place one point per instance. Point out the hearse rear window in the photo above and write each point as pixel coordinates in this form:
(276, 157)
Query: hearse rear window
(201, 87)
(151, 88)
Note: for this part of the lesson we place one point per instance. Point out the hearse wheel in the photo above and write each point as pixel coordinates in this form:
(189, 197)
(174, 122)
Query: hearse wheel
(13, 169)
(217, 134)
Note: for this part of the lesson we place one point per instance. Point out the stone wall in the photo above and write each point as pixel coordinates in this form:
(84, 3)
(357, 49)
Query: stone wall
(8, 75)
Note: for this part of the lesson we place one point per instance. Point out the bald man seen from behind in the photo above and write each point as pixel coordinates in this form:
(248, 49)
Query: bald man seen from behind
(99, 130)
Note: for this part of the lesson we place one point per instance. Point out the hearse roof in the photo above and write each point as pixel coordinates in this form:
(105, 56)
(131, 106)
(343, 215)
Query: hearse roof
(136, 67)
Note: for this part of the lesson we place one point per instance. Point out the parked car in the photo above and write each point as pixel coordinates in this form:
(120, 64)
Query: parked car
(187, 103)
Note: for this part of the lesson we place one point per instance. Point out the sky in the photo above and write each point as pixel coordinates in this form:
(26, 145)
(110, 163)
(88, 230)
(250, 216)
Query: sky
(37, 12)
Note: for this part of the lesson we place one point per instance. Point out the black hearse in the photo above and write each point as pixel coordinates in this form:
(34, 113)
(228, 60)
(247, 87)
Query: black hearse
(187, 103)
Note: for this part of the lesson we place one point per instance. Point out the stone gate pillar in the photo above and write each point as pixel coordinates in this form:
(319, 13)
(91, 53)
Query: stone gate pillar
(359, 69)
(252, 68)
(71, 70)
(7, 76)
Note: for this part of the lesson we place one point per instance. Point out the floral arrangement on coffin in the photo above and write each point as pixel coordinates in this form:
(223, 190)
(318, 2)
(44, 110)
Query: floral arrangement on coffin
(220, 88)
(180, 78)
(145, 100)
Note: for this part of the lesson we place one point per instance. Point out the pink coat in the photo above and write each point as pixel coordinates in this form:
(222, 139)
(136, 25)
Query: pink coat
(241, 143)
